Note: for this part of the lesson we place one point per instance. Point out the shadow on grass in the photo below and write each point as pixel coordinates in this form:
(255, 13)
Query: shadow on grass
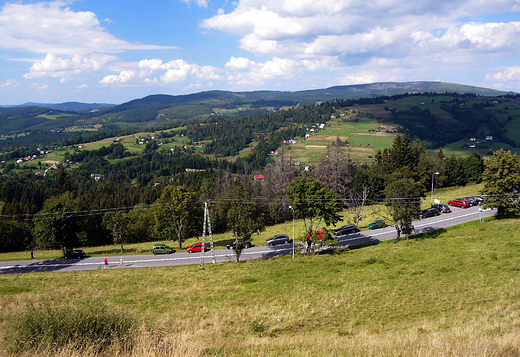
(428, 233)
(114, 251)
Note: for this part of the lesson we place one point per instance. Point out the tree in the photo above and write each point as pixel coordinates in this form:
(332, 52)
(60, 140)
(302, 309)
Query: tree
(178, 213)
(501, 178)
(117, 223)
(315, 203)
(62, 183)
(243, 215)
(356, 202)
(335, 169)
(55, 225)
(141, 225)
(403, 199)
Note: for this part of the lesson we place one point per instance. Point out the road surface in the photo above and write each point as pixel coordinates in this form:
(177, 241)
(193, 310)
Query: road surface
(458, 216)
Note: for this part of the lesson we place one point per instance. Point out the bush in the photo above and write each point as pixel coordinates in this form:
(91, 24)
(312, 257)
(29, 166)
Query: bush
(91, 325)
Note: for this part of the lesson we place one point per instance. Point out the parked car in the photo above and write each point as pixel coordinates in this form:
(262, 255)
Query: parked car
(442, 208)
(75, 254)
(231, 245)
(278, 239)
(162, 249)
(197, 247)
(377, 224)
(429, 212)
(471, 201)
(459, 203)
(479, 199)
(349, 228)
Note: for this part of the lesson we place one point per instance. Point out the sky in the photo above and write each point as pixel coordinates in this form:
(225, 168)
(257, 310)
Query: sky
(108, 51)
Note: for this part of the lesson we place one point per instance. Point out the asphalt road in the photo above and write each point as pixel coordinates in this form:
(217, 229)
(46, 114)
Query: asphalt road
(458, 216)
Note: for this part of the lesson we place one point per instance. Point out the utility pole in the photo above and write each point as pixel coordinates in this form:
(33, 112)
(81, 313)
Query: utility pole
(206, 219)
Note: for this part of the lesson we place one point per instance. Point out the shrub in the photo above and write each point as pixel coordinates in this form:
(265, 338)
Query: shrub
(90, 325)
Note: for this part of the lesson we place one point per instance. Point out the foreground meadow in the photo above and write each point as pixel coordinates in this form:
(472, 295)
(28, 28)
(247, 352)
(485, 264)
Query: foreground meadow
(451, 292)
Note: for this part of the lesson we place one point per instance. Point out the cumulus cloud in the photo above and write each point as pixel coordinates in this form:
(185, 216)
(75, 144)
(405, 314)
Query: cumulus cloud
(172, 71)
(57, 67)
(52, 27)
(356, 32)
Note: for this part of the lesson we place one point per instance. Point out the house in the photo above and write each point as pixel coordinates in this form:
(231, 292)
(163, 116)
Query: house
(97, 177)
(259, 177)
(307, 135)
(489, 137)
(472, 139)
(333, 116)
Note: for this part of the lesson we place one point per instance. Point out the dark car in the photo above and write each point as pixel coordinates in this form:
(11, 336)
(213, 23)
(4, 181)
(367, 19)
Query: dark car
(197, 247)
(162, 249)
(428, 212)
(479, 199)
(278, 239)
(349, 228)
(231, 245)
(442, 208)
(75, 254)
(471, 201)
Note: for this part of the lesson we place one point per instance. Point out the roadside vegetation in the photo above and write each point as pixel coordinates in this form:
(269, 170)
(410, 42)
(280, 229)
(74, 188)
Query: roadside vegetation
(448, 292)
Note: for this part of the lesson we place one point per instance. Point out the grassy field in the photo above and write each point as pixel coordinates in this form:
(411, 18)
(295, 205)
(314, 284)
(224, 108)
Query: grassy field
(363, 137)
(452, 292)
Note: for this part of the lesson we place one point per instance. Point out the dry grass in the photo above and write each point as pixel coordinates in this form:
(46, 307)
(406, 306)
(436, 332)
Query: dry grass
(447, 293)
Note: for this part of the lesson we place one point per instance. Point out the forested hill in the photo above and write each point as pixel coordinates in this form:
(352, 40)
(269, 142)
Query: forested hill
(306, 96)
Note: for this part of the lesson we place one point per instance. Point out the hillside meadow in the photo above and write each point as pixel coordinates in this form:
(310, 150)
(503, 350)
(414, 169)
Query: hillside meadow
(449, 292)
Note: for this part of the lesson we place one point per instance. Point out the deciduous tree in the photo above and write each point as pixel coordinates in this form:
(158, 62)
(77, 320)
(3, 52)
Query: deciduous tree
(178, 213)
(403, 199)
(315, 203)
(501, 178)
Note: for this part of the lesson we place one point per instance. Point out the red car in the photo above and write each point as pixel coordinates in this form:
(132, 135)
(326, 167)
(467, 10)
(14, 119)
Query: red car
(459, 203)
(197, 247)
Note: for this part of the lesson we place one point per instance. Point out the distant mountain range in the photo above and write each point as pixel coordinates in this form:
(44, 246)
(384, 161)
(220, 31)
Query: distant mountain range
(218, 97)
(67, 107)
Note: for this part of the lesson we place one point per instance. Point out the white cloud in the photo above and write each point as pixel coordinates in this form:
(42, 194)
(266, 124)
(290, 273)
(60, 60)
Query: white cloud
(43, 87)
(355, 32)
(200, 3)
(123, 77)
(83, 86)
(57, 67)
(507, 78)
(174, 71)
(10, 83)
(51, 27)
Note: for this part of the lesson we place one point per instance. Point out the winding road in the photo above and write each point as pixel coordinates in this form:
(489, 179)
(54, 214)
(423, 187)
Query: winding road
(458, 216)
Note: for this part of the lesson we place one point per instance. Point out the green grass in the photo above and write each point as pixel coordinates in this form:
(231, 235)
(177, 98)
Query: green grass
(449, 292)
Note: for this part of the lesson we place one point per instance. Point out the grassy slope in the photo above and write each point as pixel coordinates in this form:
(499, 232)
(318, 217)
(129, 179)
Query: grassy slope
(452, 292)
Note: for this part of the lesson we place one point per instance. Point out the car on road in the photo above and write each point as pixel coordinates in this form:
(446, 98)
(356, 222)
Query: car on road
(162, 249)
(377, 224)
(442, 208)
(472, 201)
(278, 239)
(428, 212)
(197, 247)
(247, 244)
(75, 254)
(459, 203)
(349, 228)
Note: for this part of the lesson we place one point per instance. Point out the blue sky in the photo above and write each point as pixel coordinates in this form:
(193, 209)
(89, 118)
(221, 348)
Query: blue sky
(112, 51)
